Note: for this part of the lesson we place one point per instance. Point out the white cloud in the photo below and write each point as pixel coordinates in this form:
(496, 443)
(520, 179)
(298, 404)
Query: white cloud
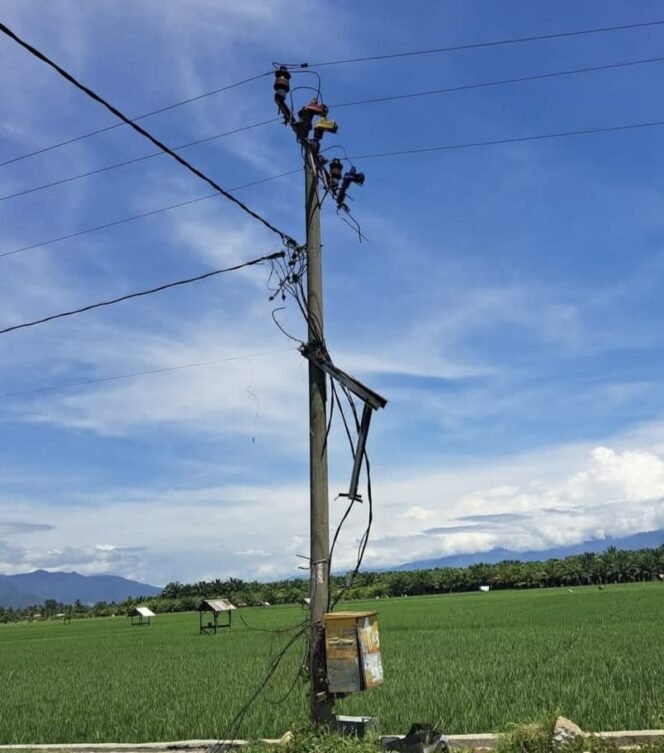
(556, 498)
(617, 493)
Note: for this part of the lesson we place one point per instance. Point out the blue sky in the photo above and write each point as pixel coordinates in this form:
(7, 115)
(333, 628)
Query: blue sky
(508, 303)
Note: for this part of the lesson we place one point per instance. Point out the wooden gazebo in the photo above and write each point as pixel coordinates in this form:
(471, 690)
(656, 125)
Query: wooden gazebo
(213, 608)
(141, 616)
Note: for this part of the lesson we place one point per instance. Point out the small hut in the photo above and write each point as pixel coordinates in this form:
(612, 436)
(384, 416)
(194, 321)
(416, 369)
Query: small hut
(141, 616)
(213, 608)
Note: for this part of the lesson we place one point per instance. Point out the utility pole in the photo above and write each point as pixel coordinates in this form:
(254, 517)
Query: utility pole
(320, 366)
(322, 704)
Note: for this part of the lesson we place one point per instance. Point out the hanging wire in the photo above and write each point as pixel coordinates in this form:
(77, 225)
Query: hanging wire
(226, 742)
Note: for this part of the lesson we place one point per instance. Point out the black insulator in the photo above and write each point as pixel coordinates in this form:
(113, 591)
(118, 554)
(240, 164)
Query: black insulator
(336, 170)
(354, 177)
(282, 82)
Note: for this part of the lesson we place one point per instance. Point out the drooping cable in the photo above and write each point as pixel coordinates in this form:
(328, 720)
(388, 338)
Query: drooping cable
(139, 129)
(364, 539)
(237, 720)
(140, 293)
(134, 374)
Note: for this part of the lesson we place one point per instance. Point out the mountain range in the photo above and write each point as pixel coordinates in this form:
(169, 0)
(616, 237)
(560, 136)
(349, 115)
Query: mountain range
(19, 591)
(647, 540)
(26, 589)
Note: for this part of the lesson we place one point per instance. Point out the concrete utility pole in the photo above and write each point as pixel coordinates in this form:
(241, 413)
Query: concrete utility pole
(322, 704)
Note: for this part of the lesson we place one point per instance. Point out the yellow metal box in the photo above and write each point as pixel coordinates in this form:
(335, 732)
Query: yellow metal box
(352, 650)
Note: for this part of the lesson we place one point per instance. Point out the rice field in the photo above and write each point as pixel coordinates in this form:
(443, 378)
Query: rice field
(469, 662)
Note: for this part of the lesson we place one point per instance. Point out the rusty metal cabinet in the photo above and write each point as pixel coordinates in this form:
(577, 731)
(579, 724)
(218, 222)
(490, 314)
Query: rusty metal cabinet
(352, 650)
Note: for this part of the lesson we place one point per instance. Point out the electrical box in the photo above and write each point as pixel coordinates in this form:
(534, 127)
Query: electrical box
(352, 651)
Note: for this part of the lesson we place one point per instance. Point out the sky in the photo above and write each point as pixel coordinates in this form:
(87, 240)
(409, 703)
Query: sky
(506, 301)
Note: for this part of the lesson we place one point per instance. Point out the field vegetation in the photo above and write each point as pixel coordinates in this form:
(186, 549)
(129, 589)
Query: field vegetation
(611, 566)
(468, 662)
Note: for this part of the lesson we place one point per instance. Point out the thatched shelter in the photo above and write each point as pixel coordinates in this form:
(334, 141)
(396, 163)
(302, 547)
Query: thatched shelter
(213, 608)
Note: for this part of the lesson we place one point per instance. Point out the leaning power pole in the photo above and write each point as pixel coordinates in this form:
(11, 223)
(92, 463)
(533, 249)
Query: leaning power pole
(317, 168)
(321, 701)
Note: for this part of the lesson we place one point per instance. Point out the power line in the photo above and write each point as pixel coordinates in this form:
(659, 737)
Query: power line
(173, 106)
(377, 155)
(203, 95)
(133, 161)
(139, 129)
(152, 212)
(147, 372)
(517, 140)
(372, 100)
(479, 45)
(500, 82)
(150, 291)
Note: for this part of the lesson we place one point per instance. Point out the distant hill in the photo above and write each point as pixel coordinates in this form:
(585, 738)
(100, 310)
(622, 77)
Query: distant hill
(11, 596)
(650, 539)
(22, 590)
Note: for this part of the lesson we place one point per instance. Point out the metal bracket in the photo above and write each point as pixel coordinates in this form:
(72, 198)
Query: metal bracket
(359, 452)
(372, 401)
(366, 395)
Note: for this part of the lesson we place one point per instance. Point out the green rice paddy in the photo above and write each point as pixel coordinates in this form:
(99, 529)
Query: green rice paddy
(468, 662)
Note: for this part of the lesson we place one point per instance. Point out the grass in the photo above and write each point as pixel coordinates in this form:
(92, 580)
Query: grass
(467, 662)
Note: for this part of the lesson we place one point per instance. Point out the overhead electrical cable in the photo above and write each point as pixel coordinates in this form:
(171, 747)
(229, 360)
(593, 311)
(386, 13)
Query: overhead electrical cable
(139, 129)
(411, 53)
(150, 291)
(152, 212)
(173, 106)
(371, 100)
(500, 82)
(515, 140)
(146, 372)
(375, 155)
(479, 45)
(132, 161)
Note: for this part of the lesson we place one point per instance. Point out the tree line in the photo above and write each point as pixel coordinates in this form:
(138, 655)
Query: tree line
(611, 566)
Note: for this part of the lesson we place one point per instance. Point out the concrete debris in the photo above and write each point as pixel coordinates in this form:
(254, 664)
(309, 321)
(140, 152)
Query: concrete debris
(565, 731)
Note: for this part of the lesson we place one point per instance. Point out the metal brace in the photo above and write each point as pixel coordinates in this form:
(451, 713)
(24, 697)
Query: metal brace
(372, 401)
